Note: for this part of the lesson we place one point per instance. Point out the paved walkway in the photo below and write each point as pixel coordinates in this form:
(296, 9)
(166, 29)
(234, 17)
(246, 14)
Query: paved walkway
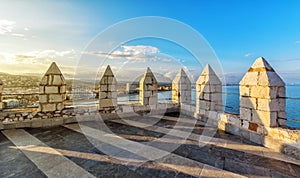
(137, 147)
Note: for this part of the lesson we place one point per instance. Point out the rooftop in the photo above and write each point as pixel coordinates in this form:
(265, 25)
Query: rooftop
(138, 147)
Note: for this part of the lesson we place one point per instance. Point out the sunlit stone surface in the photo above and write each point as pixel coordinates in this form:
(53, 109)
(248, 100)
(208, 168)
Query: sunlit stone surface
(262, 97)
(108, 92)
(181, 88)
(52, 90)
(208, 92)
(148, 89)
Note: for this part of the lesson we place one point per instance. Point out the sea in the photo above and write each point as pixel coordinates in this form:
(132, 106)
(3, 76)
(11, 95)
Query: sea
(231, 101)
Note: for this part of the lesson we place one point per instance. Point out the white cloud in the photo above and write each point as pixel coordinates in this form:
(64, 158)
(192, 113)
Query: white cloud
(17, 34)
(248, 54)
(35, 61)
(133, 54)
(34, 57)
(26, 29)
(141, 49)
(6, 26)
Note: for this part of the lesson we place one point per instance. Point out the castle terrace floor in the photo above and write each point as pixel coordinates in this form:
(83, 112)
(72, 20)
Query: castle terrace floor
(150, 146)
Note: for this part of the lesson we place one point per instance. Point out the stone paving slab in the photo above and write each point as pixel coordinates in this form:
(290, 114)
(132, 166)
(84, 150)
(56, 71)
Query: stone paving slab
(250, 154)
(48, 160)
(190, 167)
(222, 142)
(13, 162)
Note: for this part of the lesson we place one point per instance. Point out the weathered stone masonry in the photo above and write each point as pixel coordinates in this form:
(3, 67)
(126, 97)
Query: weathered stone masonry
(52, 94)
(108, 92)
(208, 92)
(148, 89)
(262, 97)
(181, 88)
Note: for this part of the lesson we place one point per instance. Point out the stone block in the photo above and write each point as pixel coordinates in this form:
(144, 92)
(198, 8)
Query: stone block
(55, 98)
(207, 96)
(43, 98)
(36, 123)
(202, 112)
(263, 92)
(152, 100)
(57, 80)
(269, 79)
(245, 114)
(148, 80)
(199, 88)
(205, 88)
(60, 106)
(245, 133)
(57, 121)
(282, 114)
(253, 126)
(245, 124)
(204, 105)
(46, 122)
(281, 92)
(256, 138)
(104, 80)
(265, 118)
(244, 90)
(70, 120)
(234, 120)
(251, 78)
(62, 89)
(281, 122)
(107, 95)
(44, 81)
(271, 105)
(200, 95)
(48, 107)
(23, 124)
(202, 80)
(103, 88)
(214, 80)
(146, 93)
(216, 96)
(248, 102)
(112, 87)
(41, 89)
(232, 129)
(107, 103)
(183, 87)
(51, 89)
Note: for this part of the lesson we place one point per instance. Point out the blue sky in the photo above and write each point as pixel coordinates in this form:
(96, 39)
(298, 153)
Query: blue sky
(34, 33)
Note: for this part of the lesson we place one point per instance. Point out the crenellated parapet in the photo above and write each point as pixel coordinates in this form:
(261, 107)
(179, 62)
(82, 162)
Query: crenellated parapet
(181, 88)
(262, 97)
(108, 92)
(262, 105)
(208, 92)
(52, 95)
(148, 89)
